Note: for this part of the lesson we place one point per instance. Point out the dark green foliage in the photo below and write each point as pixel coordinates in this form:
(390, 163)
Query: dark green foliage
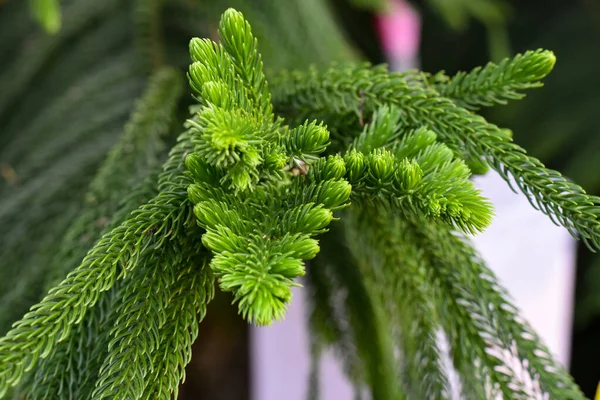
(257, 175)
(452, 265)
(366, 334)
(389, 260)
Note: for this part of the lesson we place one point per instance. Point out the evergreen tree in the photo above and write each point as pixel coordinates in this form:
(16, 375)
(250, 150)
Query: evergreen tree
(353, 175)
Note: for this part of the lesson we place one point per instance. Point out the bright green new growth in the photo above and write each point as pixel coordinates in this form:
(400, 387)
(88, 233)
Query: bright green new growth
(47, 13)
(416, 171)
(357, 170)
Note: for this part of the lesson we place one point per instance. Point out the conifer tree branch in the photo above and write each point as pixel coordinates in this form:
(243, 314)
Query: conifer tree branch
(142, 318)
(417, 174)
(238, 41)
(392, 266)
(258, 259)
(237, 140)
(366, 318)
(41, 218)
(70, 370)
(23, 289)
(495, 83)
(51, 320)
(138, 151)
(150, 227)
(187, 307)
(140, 147)
(466, 283)
(465, 319)
(33, 168)
(134, 334)
(97, 89)
(58, 181)
(55, 179)
(243, 196)
(54, 372)
(92, 223)
(349, 90)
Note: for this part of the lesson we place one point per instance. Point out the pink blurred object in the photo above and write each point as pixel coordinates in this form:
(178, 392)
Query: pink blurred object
(400, 33)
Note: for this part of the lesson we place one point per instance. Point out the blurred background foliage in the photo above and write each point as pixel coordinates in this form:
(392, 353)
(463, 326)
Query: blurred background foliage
(71, 70)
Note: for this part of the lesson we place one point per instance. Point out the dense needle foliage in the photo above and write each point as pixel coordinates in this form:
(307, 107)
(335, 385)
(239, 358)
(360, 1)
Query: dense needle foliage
(361, 172)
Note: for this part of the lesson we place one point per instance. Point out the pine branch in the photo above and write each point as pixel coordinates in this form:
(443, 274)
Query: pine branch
(306, 29)
(496, 83)
(187, 307)
(255, 190)
(471, 291)
(21, 287)
(137, 152)
(140, 147)
(393, 267)
(58, 183)
(41, 221)
(472, 333)
(232, 141)
(142, 316)
(237, 40)
(150, 227)
(104, 129)
(416, 175)
(56, 178)
(368, 324)
(129, 160)
(36, 202)
(255, 258)
(56, 372)
(70, 370)
(237, 142)
(51, 320)
(351, 89)
(109, 41)
(93, 221)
